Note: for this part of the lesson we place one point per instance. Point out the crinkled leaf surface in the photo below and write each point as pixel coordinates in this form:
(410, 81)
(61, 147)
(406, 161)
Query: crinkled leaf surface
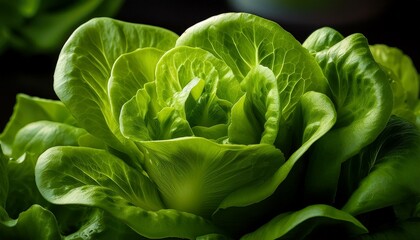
(91, 169)
(362, 96)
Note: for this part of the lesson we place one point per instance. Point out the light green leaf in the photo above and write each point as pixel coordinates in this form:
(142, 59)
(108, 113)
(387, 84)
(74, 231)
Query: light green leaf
(362, 96)
(216, 82)
(405, 79)
(302, 223)
(129, 73)
(256, 116)
(143, 119)
(91, 177)
(195, 174)
(317, 117)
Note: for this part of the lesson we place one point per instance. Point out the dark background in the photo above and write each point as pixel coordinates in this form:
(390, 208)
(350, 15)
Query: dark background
(395, 24)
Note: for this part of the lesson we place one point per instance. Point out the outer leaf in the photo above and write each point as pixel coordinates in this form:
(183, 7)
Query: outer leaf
(75, 175)
(402, 68)
(256, 116)
(30, 142)
(392, 169)
(355, 80)
(84, 67)
(38, 136)
(195, 174)
(404, 79)
(74, 223)
(31, 109)
(302, 223)
(86, 166)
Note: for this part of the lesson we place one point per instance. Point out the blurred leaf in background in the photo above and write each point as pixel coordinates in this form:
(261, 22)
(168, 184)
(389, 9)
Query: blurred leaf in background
(42, 26)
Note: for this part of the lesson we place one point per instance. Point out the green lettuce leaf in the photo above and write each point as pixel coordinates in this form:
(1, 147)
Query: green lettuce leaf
(131, 71)
(93, 177)
(322, 39)
(405, 79)
(29, 109)
(256, 116)
(195, 174)
(387, 170)
(35, 223)
(362, 97)
(307, 222)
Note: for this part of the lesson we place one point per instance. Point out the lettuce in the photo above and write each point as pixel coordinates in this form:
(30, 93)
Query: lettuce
(231, 130)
